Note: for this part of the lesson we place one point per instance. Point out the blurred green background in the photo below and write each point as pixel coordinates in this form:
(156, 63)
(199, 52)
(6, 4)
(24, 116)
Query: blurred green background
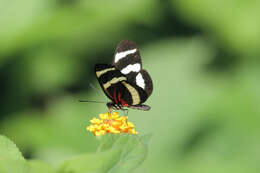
(203, 57)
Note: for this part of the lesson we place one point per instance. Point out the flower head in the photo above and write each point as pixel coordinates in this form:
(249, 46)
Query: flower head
(111, 123)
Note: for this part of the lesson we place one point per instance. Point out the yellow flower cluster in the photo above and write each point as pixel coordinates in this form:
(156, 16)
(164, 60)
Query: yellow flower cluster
(111, 123)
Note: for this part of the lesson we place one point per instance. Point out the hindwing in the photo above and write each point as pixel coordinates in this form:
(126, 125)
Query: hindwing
(108, 76)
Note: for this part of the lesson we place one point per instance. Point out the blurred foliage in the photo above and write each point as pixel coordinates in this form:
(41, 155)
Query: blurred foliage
(234, 23)
(11, 160)
(40, 167)
(124, 155)
(203, 59)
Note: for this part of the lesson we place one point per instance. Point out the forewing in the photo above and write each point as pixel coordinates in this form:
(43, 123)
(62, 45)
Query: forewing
(137, 94)
(127, 94)
(108, 77)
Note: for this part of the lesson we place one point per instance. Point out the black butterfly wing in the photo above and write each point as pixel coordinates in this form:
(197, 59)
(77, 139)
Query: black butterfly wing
(127, 59)
(108, 77)
(126, 54)
(117, 88)
(132, 94)
(144, 80)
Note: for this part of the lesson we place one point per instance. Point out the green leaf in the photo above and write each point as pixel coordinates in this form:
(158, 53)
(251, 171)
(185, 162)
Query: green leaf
(133, 153)
(9, 149)
(107, 142)
(9, 165)
(11, 159)
(125, 154)
(40, 167)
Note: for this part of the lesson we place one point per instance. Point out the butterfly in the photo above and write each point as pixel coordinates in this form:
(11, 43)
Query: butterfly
(124, 82)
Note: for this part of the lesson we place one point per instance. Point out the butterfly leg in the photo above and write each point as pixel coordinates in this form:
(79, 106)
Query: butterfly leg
(109, 106)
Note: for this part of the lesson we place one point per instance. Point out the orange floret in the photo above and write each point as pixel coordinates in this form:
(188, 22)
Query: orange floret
(111, 123)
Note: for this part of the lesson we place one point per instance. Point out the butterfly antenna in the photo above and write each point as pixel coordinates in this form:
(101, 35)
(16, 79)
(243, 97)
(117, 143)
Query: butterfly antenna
(94, 88)
(91, 101)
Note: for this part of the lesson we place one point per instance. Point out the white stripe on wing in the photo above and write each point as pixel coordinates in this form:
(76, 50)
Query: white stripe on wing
(131, 68)
(121, 55)
(140, 80)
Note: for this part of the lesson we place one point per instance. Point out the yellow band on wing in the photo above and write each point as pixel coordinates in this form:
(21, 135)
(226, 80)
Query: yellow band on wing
(99, 73)
(113, 81)
(133, 92)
